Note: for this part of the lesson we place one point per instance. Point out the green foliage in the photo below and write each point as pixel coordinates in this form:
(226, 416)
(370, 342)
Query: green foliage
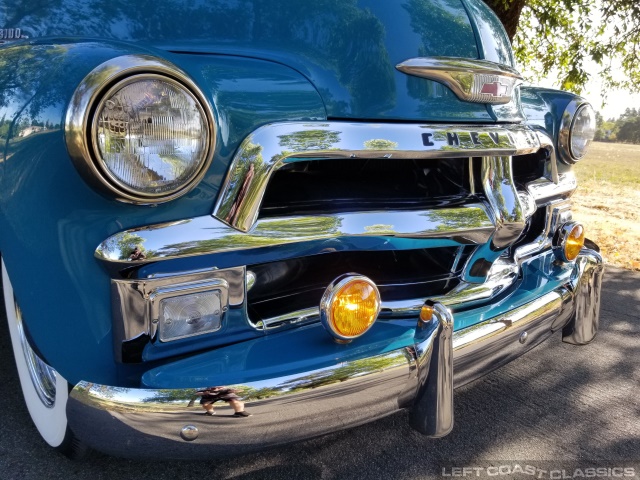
(625, 129)
(565, 38)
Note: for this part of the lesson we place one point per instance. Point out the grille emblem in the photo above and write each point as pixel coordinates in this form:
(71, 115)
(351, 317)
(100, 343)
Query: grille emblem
(495, 89)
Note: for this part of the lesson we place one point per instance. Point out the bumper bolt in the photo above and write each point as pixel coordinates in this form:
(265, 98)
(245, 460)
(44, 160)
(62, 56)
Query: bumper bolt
(523, 337)
(189, 433)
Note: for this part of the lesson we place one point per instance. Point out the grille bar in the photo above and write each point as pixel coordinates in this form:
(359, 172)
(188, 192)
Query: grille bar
(271, 147)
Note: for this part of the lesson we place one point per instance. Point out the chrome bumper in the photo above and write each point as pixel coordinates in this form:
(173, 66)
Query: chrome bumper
(421, 377)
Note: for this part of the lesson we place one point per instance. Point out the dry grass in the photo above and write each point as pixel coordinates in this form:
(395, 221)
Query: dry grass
(608, 201)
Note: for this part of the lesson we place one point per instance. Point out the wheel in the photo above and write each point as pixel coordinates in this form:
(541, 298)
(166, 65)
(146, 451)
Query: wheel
(45, 391)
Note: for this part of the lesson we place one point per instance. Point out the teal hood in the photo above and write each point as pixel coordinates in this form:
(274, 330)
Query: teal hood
(347, 49)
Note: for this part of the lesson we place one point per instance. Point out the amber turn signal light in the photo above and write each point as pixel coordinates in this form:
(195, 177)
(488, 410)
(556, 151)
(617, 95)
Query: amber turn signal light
(569, 241)
(349, 307)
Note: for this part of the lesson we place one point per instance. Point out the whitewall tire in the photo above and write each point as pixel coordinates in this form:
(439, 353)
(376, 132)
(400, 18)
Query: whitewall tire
(45, 390)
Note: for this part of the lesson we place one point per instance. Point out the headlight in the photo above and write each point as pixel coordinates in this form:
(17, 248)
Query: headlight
(145, 131)
(577, 129)
(582, 131)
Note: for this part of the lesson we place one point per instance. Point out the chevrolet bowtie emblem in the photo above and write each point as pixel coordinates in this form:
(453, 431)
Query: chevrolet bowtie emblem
(496, 89)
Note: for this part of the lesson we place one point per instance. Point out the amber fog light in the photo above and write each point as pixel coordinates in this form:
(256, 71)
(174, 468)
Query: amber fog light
(569, 241)
(349, 307)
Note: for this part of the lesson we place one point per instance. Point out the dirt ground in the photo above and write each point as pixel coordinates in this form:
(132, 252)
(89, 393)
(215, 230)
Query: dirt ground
(607, 201)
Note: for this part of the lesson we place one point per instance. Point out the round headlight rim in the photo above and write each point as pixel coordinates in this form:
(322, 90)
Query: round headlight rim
(82, 110)
(566, 129)
(329, 295)
(583, 106)
(120, 186)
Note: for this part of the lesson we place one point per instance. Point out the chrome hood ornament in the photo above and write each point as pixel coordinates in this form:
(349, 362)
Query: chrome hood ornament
(477, 81)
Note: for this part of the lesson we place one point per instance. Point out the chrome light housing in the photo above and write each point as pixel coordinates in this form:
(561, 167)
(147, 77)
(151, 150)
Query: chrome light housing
(349, 307)
(140, 129)
(577, 129)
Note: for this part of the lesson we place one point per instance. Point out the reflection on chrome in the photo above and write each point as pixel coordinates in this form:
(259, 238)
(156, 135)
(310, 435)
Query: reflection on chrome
(472, 80)
(469, 224)
(432, 414)
(485, 346)
(271, 147)
(497, 181)
(557, 214)
(587, 285)
(544, 190)
(210, 395)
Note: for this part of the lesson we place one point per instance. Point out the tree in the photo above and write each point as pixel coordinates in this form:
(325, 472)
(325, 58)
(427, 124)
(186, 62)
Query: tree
(563, 37)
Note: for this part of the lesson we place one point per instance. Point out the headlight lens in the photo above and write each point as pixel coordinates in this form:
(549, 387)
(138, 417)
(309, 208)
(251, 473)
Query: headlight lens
(150, 136)
(582, 131)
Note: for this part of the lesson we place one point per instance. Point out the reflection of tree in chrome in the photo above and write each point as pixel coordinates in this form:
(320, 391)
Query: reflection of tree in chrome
(459, 218)
(380, 229)
(309, 140)
(240, 176)
(266, 233)
(124, 244)
(380, 144)
(354, 369)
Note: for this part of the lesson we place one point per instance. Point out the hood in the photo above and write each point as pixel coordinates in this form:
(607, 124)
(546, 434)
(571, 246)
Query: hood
(348, 49)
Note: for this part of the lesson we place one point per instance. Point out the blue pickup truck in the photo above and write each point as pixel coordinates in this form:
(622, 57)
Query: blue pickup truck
(235, 224)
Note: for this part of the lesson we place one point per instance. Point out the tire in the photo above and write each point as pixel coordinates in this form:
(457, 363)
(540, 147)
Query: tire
(45, 391)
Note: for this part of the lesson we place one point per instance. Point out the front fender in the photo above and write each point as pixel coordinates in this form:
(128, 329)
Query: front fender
(52, 220)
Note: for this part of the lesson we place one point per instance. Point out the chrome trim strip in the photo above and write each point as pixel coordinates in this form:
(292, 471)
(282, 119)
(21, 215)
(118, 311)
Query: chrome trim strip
(469, 224)
(90, 91)
(551, 166)
(467, 78)
(483, 347)
(501, 193)
(42, 375)
(271, 147)
(544, 190)
(501, 276)
(291, 318)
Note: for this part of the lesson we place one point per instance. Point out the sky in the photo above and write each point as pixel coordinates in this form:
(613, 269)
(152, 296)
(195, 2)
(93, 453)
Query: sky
(616, 103)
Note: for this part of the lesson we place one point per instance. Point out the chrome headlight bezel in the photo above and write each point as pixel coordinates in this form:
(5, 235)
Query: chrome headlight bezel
(567, 124)
(86, 102)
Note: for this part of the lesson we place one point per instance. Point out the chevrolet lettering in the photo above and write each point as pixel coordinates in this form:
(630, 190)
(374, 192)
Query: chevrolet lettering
(290, 218)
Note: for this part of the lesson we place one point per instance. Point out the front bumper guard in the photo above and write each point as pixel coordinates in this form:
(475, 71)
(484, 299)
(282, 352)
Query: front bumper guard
(144, 422)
